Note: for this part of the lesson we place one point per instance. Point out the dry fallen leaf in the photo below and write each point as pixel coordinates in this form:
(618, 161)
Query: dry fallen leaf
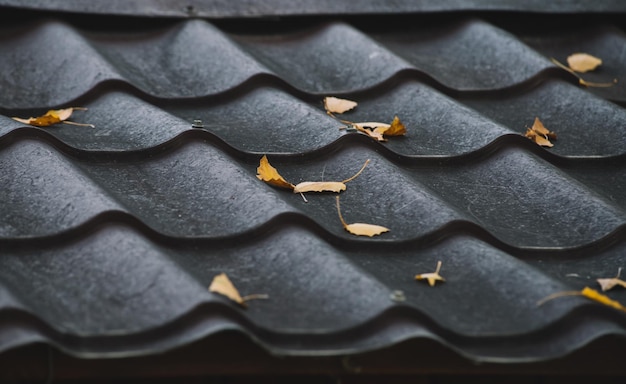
(583, 62)
(432, 277)
(582, 81)
(378, 130)
(540, 134)
(54, 116)
(336, 105)
(368, 129)
(609, 283)
(360, 229)
(270, 175)
(327, 186)
(396, 128)
(588, 293)
(319, 186)
(221, 284)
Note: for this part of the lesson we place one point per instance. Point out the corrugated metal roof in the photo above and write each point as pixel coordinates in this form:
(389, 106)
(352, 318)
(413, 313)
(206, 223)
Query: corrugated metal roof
(111, 235)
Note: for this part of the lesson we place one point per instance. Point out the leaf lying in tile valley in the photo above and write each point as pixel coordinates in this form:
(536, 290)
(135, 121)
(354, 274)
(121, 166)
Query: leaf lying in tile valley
(270, 175)
(587, 63)
(221, 284)
(360, 229)
(54, 116)
(588, 293)
(583, 62)
(431, 277)
(336, 105)
(327, 186)
(540, 134)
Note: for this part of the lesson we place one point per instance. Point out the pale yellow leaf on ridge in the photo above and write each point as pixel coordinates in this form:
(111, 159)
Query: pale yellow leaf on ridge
(319, 186)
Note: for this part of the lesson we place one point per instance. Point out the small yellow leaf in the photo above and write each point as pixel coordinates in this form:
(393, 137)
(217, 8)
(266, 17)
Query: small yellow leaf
(431, 277)
(600, 298)
(319, 186)
(360, 229)
(221, 284)
(610, 283)
(53, 116)
(396, 128)
(270, 175)
(540, 134)
(336, 105)
(583, 62)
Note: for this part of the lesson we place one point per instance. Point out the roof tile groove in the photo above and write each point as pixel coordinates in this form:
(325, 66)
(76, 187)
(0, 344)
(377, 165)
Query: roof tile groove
(194, 59)
(110, 236)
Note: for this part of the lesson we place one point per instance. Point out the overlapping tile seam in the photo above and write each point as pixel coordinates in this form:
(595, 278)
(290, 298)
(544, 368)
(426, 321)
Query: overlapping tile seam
(140, 181)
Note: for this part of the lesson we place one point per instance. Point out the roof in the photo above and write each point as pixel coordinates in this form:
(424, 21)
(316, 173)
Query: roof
(111, 235)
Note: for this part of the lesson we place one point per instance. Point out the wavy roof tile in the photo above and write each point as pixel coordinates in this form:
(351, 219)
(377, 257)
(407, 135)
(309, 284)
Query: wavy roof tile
(111, 235)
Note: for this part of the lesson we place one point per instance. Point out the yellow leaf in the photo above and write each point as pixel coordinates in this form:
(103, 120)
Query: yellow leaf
(582, 81)
(378, 130)
(360, 229)
(270, 175)
(588, 293)
(600, 298)
(607, 284)
(53, 116)
(540, 134)
(319, 186)
(431, 277)
(336, 105)
(396, 128)
(221, 284)
(583, 62)
(364, 127)
(327, 186)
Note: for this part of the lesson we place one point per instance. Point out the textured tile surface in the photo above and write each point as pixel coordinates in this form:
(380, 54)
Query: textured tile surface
(110, 236)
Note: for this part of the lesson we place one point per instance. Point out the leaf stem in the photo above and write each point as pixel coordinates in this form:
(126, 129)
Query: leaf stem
(79, 124)
(438, 267)
(557, 295)
(343, 222)
(358, 173)
(255, 296)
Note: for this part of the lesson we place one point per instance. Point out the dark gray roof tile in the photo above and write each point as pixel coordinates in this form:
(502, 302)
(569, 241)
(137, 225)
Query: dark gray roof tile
(110, 236)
